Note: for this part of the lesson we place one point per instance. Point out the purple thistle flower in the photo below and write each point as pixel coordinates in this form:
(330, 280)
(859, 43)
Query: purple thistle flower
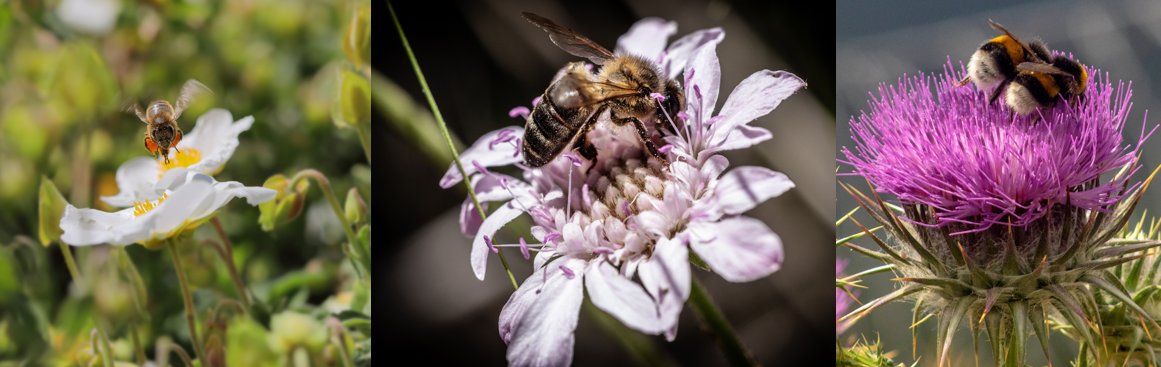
(981, 168)
(842, 301)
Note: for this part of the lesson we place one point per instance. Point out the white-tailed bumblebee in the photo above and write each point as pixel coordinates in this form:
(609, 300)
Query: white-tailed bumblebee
(1032, 76)
(577, 98)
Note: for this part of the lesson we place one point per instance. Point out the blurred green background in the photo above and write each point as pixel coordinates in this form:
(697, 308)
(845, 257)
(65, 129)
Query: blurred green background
(65, 69)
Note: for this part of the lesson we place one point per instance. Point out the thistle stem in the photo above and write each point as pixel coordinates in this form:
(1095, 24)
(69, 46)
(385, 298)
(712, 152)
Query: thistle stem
(712, 318)
(227, 252)
(190, 314)
(446, 135)
(325, 186)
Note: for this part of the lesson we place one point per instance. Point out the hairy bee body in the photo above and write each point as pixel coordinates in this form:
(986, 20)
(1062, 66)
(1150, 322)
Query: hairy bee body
(162, 131)
(577, 99)
(1031, 89)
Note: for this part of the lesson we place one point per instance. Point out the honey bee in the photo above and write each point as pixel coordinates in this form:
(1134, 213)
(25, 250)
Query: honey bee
(577, 98)
(161, 117)
(1032, 76)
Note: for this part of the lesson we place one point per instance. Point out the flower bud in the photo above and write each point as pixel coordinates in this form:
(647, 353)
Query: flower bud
(355, 208)
(246, 344)
(289, 330)
(352, 104)
(287, 204)
(52, 206)
(215, 355)
(357, 38)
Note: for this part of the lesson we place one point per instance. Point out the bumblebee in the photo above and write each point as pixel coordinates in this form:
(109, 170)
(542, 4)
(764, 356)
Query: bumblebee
(1043, 84)
(577, 98)
(994, 63)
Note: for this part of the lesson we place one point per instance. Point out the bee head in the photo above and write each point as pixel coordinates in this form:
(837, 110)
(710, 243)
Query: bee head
(1075, 82)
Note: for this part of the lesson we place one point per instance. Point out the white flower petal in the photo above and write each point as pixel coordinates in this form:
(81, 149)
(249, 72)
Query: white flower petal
(486, 154)
(707, 75)
(647, 38)
(754, 97)
(86, 227)
(487, 189)
(741, 137)
(137, 175)
(495, 221)
(745, 187)
(622, 298)
(216, 137)
(170, 180)
(193, 197)
(544, 335)
(677, 55)
(713, 167)
(666, 276)
(653, 223)
(739, 249)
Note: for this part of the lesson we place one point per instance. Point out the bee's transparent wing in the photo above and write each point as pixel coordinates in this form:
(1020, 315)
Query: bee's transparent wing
(134, 107)
(570, 41)
(574, 91)
(1042, 68)
(191, 90)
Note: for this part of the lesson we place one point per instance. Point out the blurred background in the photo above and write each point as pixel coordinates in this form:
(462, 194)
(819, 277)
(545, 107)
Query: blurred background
(66, 66)
(481, 59)
(880, 42)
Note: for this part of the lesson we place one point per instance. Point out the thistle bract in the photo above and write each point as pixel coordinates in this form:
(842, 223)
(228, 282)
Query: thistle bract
(1003, 219)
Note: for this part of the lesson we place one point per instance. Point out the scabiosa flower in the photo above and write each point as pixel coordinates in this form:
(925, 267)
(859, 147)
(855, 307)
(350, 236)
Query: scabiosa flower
(630, 215)
(204, 150)
(1003, 219)
(187, 201)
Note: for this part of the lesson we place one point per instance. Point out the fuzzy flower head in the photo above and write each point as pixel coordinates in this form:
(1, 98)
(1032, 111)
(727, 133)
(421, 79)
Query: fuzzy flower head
(1002, 219)
(599, 224)
(976, 166)
(205, 150)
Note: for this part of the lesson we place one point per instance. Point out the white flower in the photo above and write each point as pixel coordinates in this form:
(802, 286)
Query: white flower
(204, 150)
(89, 16)
(187, 201)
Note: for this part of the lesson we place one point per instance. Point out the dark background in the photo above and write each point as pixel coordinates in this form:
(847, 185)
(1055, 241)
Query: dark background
(480, 60)
(881, 41)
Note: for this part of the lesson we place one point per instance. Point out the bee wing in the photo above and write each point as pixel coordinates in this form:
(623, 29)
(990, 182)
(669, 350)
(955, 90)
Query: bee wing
(189, 91)
(134, 107)
(1028, 52)
(574, 91)
(570, 41)
(1042, 68)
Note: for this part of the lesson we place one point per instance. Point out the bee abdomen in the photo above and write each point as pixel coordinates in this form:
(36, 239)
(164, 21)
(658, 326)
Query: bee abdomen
(545, 134)
(991, 64)
(160, 108)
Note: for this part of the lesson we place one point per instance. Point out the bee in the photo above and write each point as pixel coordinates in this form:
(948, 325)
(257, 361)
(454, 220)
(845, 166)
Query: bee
(161, 117)
(1032, 76)
(577, 98)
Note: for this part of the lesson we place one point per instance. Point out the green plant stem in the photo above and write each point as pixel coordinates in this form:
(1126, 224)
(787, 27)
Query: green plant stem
(190, 314)
(227, 252)
(446, 135)
(638, 346)
(713, 320)
(72, 265)
(339, 339)
(166, 347)
(137, 344)
(105, 350)
(325, 186)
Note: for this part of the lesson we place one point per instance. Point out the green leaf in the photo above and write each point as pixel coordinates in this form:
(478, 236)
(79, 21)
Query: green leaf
(52, 206)
(362, 357)
(363, 246)
(697, 261)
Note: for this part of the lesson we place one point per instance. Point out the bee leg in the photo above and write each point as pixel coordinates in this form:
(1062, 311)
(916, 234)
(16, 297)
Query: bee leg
(966, 79)
(641, 132)
(999, 88)
(585, 147)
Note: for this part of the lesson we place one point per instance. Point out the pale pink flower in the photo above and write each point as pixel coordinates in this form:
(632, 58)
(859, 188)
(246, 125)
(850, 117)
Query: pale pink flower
(630, 215)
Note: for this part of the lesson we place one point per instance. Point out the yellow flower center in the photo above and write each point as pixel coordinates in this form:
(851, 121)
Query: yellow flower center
(142, 207)
(182, 158)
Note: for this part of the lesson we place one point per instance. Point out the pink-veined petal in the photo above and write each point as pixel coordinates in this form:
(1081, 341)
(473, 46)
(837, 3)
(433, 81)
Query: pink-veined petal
(745, 187)
(666, 276)
(653, 223)
(707, 77)
(755, 97)
(470, 217)
(739, 249)
(741, 137)
(487, 189)
(544, 334)
(647, 38)
(518, 302)
(484, 153)
(677, 55)
(714, 167)
(622, 298)
(497, 219)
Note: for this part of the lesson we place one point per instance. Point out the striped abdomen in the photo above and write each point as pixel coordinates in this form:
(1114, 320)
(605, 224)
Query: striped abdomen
(549, 129)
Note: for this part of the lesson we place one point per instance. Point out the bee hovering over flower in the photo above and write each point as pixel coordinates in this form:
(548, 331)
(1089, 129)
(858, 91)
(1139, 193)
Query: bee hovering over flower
(161, 117)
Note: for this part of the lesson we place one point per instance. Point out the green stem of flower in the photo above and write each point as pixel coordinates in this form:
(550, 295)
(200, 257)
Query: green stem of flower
(446, 135)
(167, 346)
(137, 344)
(712, 318)
(340, 341)
(103, 347)
(70, 262)
(190, 313)
(227, 252)
(325, 186)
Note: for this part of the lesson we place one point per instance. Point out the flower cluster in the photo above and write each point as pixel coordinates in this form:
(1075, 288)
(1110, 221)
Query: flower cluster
(625, 214)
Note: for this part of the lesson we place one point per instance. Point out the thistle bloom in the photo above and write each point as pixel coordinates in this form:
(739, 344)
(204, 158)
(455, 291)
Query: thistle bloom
(204, 150)
(1003, 219)
(630, 215)
(186, 202)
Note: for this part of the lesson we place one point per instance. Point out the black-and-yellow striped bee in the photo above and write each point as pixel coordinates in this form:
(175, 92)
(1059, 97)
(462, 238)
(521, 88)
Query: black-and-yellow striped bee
(1032, 76)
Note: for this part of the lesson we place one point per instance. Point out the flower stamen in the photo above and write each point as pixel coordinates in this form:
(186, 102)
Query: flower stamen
(181, 158)
(142, 207)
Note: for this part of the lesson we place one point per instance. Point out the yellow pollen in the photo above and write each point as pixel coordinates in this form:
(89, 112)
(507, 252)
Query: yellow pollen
(182, 158)
(142, 207)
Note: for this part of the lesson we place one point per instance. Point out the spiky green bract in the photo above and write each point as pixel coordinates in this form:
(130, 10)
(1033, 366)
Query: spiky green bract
(1007, 279)
(863, 354)
(1125, 338)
